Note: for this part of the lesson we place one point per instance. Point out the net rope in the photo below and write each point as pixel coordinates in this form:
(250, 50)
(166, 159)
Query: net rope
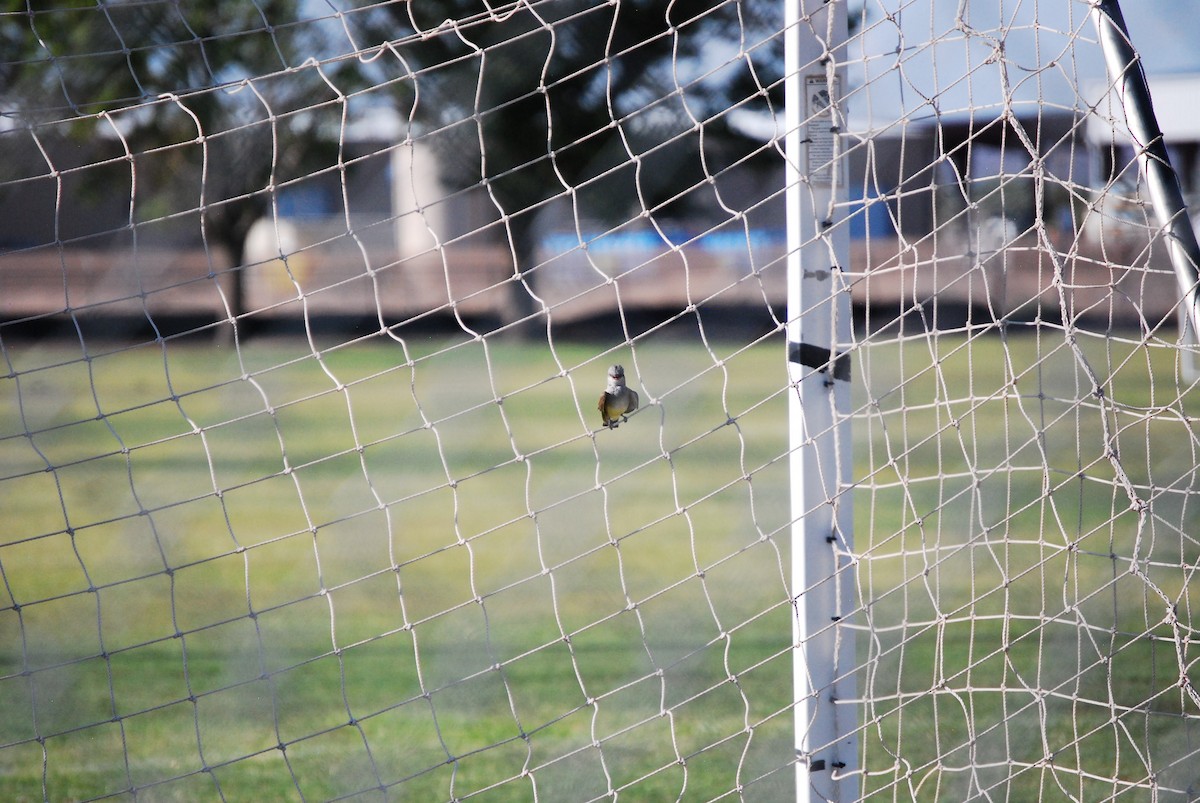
(304, 312)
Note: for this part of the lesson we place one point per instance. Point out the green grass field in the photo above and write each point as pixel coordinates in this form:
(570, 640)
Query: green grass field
(419, 573)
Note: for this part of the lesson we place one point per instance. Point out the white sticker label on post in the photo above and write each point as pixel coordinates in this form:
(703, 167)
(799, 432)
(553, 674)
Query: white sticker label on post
(820, 137)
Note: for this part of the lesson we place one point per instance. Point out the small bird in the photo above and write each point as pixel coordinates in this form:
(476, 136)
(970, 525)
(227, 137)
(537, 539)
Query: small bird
(618, 400)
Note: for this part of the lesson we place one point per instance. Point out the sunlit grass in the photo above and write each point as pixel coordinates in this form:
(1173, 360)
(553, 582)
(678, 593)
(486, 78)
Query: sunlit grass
(270, 574)
(423, 569)
(1031, 520)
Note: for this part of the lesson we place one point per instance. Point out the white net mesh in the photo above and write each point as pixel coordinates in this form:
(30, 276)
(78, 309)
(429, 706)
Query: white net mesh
(305, 309)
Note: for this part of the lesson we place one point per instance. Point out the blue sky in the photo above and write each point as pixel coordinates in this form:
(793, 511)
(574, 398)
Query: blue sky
(1167, 32)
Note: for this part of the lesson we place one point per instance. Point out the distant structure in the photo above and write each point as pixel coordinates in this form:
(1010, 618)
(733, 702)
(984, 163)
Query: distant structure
(384, 235)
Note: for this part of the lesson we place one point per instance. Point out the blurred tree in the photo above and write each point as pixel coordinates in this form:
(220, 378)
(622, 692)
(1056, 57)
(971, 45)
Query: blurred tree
(625, 108)
(213, 102)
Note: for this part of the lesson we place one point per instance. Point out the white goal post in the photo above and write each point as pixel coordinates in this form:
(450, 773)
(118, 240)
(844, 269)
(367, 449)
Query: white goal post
(819, 334)
(317, 322)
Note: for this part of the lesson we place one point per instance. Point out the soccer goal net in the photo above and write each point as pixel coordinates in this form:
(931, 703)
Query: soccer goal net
(598, 399)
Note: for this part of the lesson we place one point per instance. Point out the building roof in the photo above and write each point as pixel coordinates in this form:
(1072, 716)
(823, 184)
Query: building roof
(1174, 98)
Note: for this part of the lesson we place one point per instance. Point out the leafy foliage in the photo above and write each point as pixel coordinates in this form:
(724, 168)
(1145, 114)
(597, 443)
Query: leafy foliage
(209, 107)
(601, 101)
